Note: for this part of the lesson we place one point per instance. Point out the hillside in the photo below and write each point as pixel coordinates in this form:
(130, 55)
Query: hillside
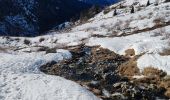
(100, 2)
(122, 53)
(32, 17)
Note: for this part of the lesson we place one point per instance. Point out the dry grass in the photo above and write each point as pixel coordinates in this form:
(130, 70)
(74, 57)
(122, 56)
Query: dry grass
(151, 71)
(165, 52)
(130, 52)
(165, 83)
(167, 93)
(129, 68)
(2, 49)
(158, 21)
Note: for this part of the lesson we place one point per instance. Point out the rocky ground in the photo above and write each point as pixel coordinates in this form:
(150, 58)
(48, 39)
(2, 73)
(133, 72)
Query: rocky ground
(110, 76)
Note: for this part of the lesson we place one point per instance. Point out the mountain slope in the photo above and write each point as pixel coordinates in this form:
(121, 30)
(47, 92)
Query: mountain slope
(115, 56)
(29, 18)
(100, 2)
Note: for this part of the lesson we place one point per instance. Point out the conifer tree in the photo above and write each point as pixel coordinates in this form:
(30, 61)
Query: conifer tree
(115, 13)
(148, 3)
(167, 0)
(132, 9)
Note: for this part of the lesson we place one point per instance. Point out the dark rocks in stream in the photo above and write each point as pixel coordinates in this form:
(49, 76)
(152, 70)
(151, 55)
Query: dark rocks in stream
(97, 69)
(88, 64)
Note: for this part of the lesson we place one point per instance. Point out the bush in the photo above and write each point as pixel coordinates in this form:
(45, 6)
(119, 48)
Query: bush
(107, 10)
(167, 0)
(115, 13)
(27, 42)
(132, 9)
(41, 39)
(148, 3)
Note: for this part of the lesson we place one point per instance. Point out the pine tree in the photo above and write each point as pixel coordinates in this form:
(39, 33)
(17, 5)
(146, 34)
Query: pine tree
(115, 13)
(132, 10)
(148, 3)
(167, 0)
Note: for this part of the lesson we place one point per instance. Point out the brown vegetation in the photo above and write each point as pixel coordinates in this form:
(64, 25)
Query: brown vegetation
(151, 71)
(129, 68)
(165, 52)
(130, 52)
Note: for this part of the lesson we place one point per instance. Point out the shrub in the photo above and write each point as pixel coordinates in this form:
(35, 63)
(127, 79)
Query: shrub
(41, 39)
(151, 71)
(167, 0)
(148, 3)
(165, 52)
(107, 10)
(27, 42)
(115, 13)
(132, 9)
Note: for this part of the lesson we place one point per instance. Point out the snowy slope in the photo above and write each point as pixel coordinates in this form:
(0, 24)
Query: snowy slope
(147, 31)
(20, 79)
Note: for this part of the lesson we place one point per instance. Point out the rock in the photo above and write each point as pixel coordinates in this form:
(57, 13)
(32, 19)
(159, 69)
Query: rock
(106, 93)
(166, 78)
(117, 85)
(51, 50)
(167, 93)
(117, 96)
(94, 84)
(97, 70)
(97, 91)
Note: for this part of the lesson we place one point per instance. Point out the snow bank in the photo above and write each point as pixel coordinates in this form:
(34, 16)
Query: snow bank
(41, 87)
(20, 78)
(142, 43)
(52, 40)
(156, 61)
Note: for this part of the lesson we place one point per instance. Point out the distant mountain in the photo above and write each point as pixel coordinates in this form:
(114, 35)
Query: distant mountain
(100, 2)
(34, 17)
(31, 17)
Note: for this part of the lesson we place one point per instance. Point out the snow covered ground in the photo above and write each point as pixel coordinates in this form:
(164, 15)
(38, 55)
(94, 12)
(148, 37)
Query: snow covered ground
(147, 31)
(20, 79)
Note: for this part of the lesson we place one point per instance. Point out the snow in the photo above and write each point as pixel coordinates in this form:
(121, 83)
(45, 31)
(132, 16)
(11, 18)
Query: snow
(142, 43)
(156, 61)
(138, 76)
(125, 22)
(52, 40)
(141, 2)
(41, 87)
(20, 78)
